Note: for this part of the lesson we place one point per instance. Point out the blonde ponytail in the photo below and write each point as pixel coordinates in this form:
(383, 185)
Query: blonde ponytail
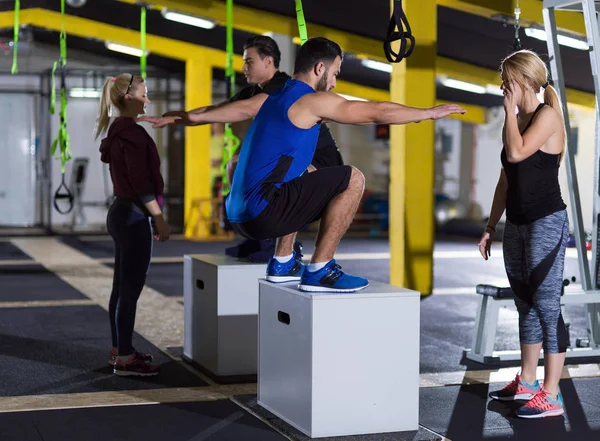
(104, 109)
(551, 99)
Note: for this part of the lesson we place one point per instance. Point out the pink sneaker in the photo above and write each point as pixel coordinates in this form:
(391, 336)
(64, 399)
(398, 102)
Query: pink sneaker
(517, 390)
(542, 405)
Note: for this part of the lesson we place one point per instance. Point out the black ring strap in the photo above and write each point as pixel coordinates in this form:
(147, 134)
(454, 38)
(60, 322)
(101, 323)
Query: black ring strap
(398, 20)
(66, 194)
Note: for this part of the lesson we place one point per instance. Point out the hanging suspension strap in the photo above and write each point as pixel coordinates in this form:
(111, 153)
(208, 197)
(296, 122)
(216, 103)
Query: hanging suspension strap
(62, 140)
(231, 141)
(517, 42)
(15, 68)
(143, 58)
(399, 21)
(302, 30)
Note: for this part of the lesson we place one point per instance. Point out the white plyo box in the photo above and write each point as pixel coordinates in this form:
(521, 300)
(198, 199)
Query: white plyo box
(221, 313)
(340, 364)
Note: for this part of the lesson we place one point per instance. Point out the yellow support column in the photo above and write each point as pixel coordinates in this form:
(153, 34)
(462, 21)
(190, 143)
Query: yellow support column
(198, 93)
(412, 157)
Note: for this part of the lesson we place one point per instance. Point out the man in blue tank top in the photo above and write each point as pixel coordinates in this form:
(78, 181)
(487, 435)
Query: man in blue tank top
(261, 69)
(275, 192)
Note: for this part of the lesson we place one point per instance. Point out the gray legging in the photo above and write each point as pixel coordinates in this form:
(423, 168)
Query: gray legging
(534, 257)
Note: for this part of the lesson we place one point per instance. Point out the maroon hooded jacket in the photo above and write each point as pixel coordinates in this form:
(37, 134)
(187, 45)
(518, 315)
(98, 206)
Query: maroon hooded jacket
(133, 161)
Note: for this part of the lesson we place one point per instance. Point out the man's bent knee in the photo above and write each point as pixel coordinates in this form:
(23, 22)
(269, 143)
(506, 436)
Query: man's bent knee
(357, 179)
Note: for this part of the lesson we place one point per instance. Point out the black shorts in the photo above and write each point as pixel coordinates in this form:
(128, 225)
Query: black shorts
(327, 157)
(296, 203)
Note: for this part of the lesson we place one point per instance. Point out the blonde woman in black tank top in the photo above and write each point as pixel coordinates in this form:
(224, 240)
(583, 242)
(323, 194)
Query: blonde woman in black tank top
(536, 229)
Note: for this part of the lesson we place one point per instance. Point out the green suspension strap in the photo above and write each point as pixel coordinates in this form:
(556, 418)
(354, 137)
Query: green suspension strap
(143, 58)
(62, 139)
(302, 30)
(15, 68)
(231, 141)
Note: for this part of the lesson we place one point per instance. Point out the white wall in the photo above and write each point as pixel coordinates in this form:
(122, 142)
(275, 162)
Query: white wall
(38, 57)
(17, 159)
(487, 157)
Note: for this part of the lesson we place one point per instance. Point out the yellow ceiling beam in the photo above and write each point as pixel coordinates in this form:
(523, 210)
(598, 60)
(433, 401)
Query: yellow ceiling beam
(467, 72)
(531, 12)
(84, 28)
(256, 21)
(484, 77)
(475, 114)
(259, 22)
(165, 47)
(484, 8)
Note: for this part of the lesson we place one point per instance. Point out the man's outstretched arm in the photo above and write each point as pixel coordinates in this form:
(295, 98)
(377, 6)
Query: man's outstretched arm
(225, 113)
(329, 106)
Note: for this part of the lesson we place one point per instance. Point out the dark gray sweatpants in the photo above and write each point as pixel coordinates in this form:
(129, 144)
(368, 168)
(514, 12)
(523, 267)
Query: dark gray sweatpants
(534, 257)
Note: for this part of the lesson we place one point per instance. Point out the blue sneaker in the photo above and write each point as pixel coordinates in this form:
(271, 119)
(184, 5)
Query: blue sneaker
(331, 278)
(290, 271)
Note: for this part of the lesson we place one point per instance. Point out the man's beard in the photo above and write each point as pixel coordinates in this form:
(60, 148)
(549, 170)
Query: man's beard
(322, 84)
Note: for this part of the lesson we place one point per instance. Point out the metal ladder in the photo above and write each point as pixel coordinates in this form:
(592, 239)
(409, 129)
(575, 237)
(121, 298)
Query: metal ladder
(589, 9)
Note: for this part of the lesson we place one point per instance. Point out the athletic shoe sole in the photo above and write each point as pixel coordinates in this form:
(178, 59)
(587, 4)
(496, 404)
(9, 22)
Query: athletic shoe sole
(283, 279)
(548, 413)
(517, 397)
(318, 288)
(112, 362)
(134, 374)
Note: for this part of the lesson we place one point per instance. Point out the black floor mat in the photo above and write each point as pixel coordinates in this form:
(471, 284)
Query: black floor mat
(33, 282)
(10, 252)
(249, 402)
(65, 350)
(166, 278)
(467, 414)
(211, 420)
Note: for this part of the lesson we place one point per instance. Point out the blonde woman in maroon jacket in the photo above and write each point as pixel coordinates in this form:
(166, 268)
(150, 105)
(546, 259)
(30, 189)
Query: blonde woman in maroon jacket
(137, 211)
